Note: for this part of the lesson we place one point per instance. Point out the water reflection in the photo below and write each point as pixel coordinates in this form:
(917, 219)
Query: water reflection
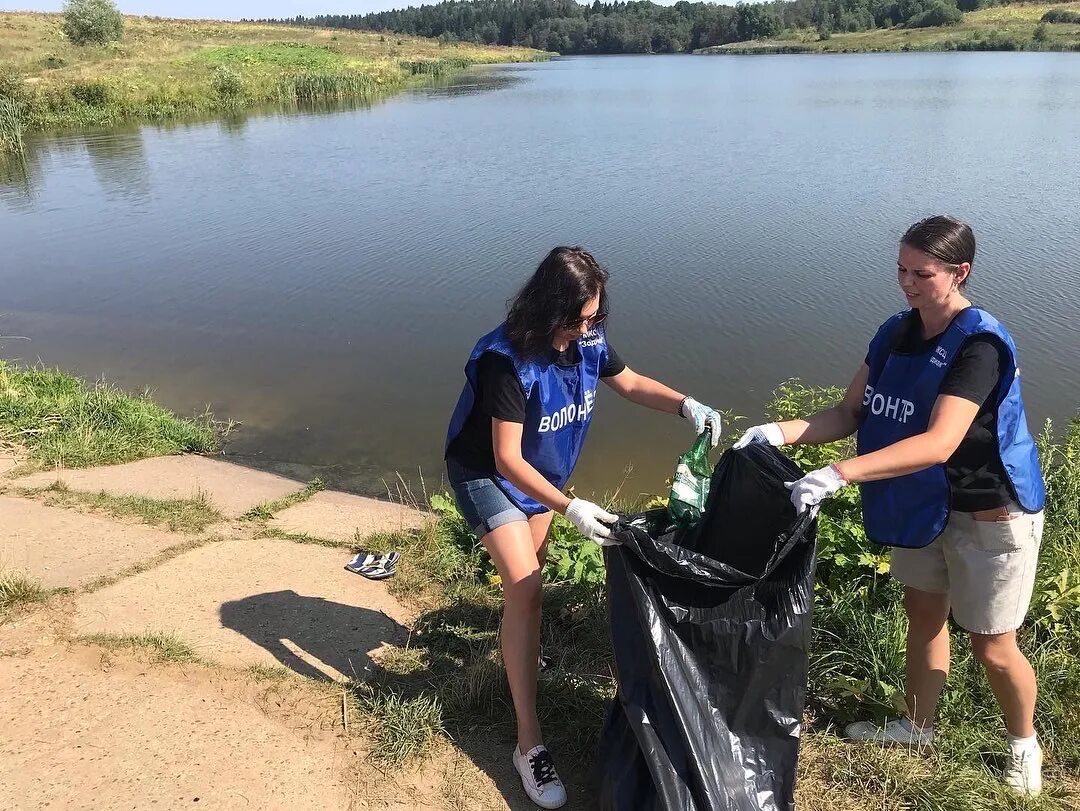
(17, 178)
(473, 83)
(118, 156)
(118, 159)
(233, 123)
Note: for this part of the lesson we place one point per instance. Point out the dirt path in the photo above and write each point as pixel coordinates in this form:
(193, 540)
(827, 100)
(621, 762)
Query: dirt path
(255, 719)
(80, 733)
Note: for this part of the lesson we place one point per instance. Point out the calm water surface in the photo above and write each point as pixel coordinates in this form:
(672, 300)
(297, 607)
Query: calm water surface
(321, 276)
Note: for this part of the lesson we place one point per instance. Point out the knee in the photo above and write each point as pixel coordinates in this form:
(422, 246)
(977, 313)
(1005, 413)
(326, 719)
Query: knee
(927, 613)
(995, 652)
(524, 594)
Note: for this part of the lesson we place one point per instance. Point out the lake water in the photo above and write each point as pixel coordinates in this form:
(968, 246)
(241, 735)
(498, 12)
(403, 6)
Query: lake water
(321, 277)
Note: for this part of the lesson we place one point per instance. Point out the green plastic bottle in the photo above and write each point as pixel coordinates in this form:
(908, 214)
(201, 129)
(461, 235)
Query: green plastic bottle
(690, 485)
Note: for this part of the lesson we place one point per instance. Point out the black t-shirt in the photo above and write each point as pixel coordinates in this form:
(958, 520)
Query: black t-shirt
(975, 472)
(500, 395)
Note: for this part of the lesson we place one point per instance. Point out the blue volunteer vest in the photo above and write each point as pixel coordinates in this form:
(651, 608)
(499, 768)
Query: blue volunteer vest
(558, 408)
(911, 511)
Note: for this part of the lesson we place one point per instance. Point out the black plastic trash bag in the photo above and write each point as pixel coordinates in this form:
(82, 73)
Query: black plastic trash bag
(711, 628)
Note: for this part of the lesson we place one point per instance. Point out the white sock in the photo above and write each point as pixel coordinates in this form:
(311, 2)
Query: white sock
(1020, 745)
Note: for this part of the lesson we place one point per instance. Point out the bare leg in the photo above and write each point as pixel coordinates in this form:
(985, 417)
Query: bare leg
(1011, 678)
(539, 526)
(927, 652)
(512, 549)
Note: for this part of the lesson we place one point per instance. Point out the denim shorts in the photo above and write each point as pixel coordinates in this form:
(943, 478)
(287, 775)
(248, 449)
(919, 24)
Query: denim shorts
(483, 504)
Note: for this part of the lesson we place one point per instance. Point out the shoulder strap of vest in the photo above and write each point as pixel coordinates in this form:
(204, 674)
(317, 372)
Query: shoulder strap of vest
(975, 321)
(882, 343)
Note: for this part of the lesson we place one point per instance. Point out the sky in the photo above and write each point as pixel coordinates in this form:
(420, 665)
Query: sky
(235, 9)
(225, 9)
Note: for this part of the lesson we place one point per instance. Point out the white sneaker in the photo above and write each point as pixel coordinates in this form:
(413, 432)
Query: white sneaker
(539, 778)
(894, 733)
(1023, 771)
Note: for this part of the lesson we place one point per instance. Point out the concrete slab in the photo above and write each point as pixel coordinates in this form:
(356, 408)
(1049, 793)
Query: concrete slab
(62, 547)
(233, 489)
(244, 602)
(345, 517)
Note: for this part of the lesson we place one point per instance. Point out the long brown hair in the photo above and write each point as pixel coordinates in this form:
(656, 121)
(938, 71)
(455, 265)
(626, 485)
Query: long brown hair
(567, 279)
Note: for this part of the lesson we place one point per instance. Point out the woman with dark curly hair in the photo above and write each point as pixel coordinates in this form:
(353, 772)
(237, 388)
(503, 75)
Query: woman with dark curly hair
(513, 441)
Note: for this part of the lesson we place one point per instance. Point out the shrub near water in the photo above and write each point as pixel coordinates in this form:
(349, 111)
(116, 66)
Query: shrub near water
(12, 103)
(228, 83)
(10, 126)
(92, 22)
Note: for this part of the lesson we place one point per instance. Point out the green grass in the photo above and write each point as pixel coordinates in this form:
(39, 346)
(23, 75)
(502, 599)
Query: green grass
(159, 647)
(17, 591)
(1008, 27)
(62, 421)
(266, 511)
(164, 69)
(269, 673)
(10, 127)
(190, 515)
(303, 537)
(403, 728)
(290, 55)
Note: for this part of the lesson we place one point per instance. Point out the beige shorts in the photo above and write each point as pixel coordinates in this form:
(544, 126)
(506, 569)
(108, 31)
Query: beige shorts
(986, 567)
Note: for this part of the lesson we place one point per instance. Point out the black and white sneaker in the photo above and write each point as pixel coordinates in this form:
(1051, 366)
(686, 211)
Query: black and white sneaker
(374, 566)
(539, 778)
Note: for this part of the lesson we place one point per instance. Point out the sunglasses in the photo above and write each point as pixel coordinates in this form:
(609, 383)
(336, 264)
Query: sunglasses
(578, 323)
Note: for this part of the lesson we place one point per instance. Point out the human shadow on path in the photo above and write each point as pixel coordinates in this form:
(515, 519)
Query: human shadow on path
(296, 628)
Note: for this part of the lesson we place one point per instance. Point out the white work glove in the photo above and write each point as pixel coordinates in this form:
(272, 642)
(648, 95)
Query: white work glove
(590, 519)
(813, 488)
(702, 417)
(769, 433)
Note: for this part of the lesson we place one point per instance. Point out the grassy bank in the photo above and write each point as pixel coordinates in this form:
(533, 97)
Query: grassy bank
(168, 68)
(1001, 28)
(450, 680)
(61, 421)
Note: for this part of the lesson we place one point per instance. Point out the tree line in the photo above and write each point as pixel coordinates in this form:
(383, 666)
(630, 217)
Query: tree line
(639, 26)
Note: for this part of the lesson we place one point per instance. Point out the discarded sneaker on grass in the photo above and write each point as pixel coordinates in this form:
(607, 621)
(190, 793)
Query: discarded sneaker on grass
(374, 565)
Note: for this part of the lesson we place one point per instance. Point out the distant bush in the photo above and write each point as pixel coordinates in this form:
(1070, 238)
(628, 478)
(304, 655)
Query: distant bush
(92, 94)
(994, 41)
(92, 21)
(939, 13)
(227, 82)
(1061, 15)
(12, 84)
